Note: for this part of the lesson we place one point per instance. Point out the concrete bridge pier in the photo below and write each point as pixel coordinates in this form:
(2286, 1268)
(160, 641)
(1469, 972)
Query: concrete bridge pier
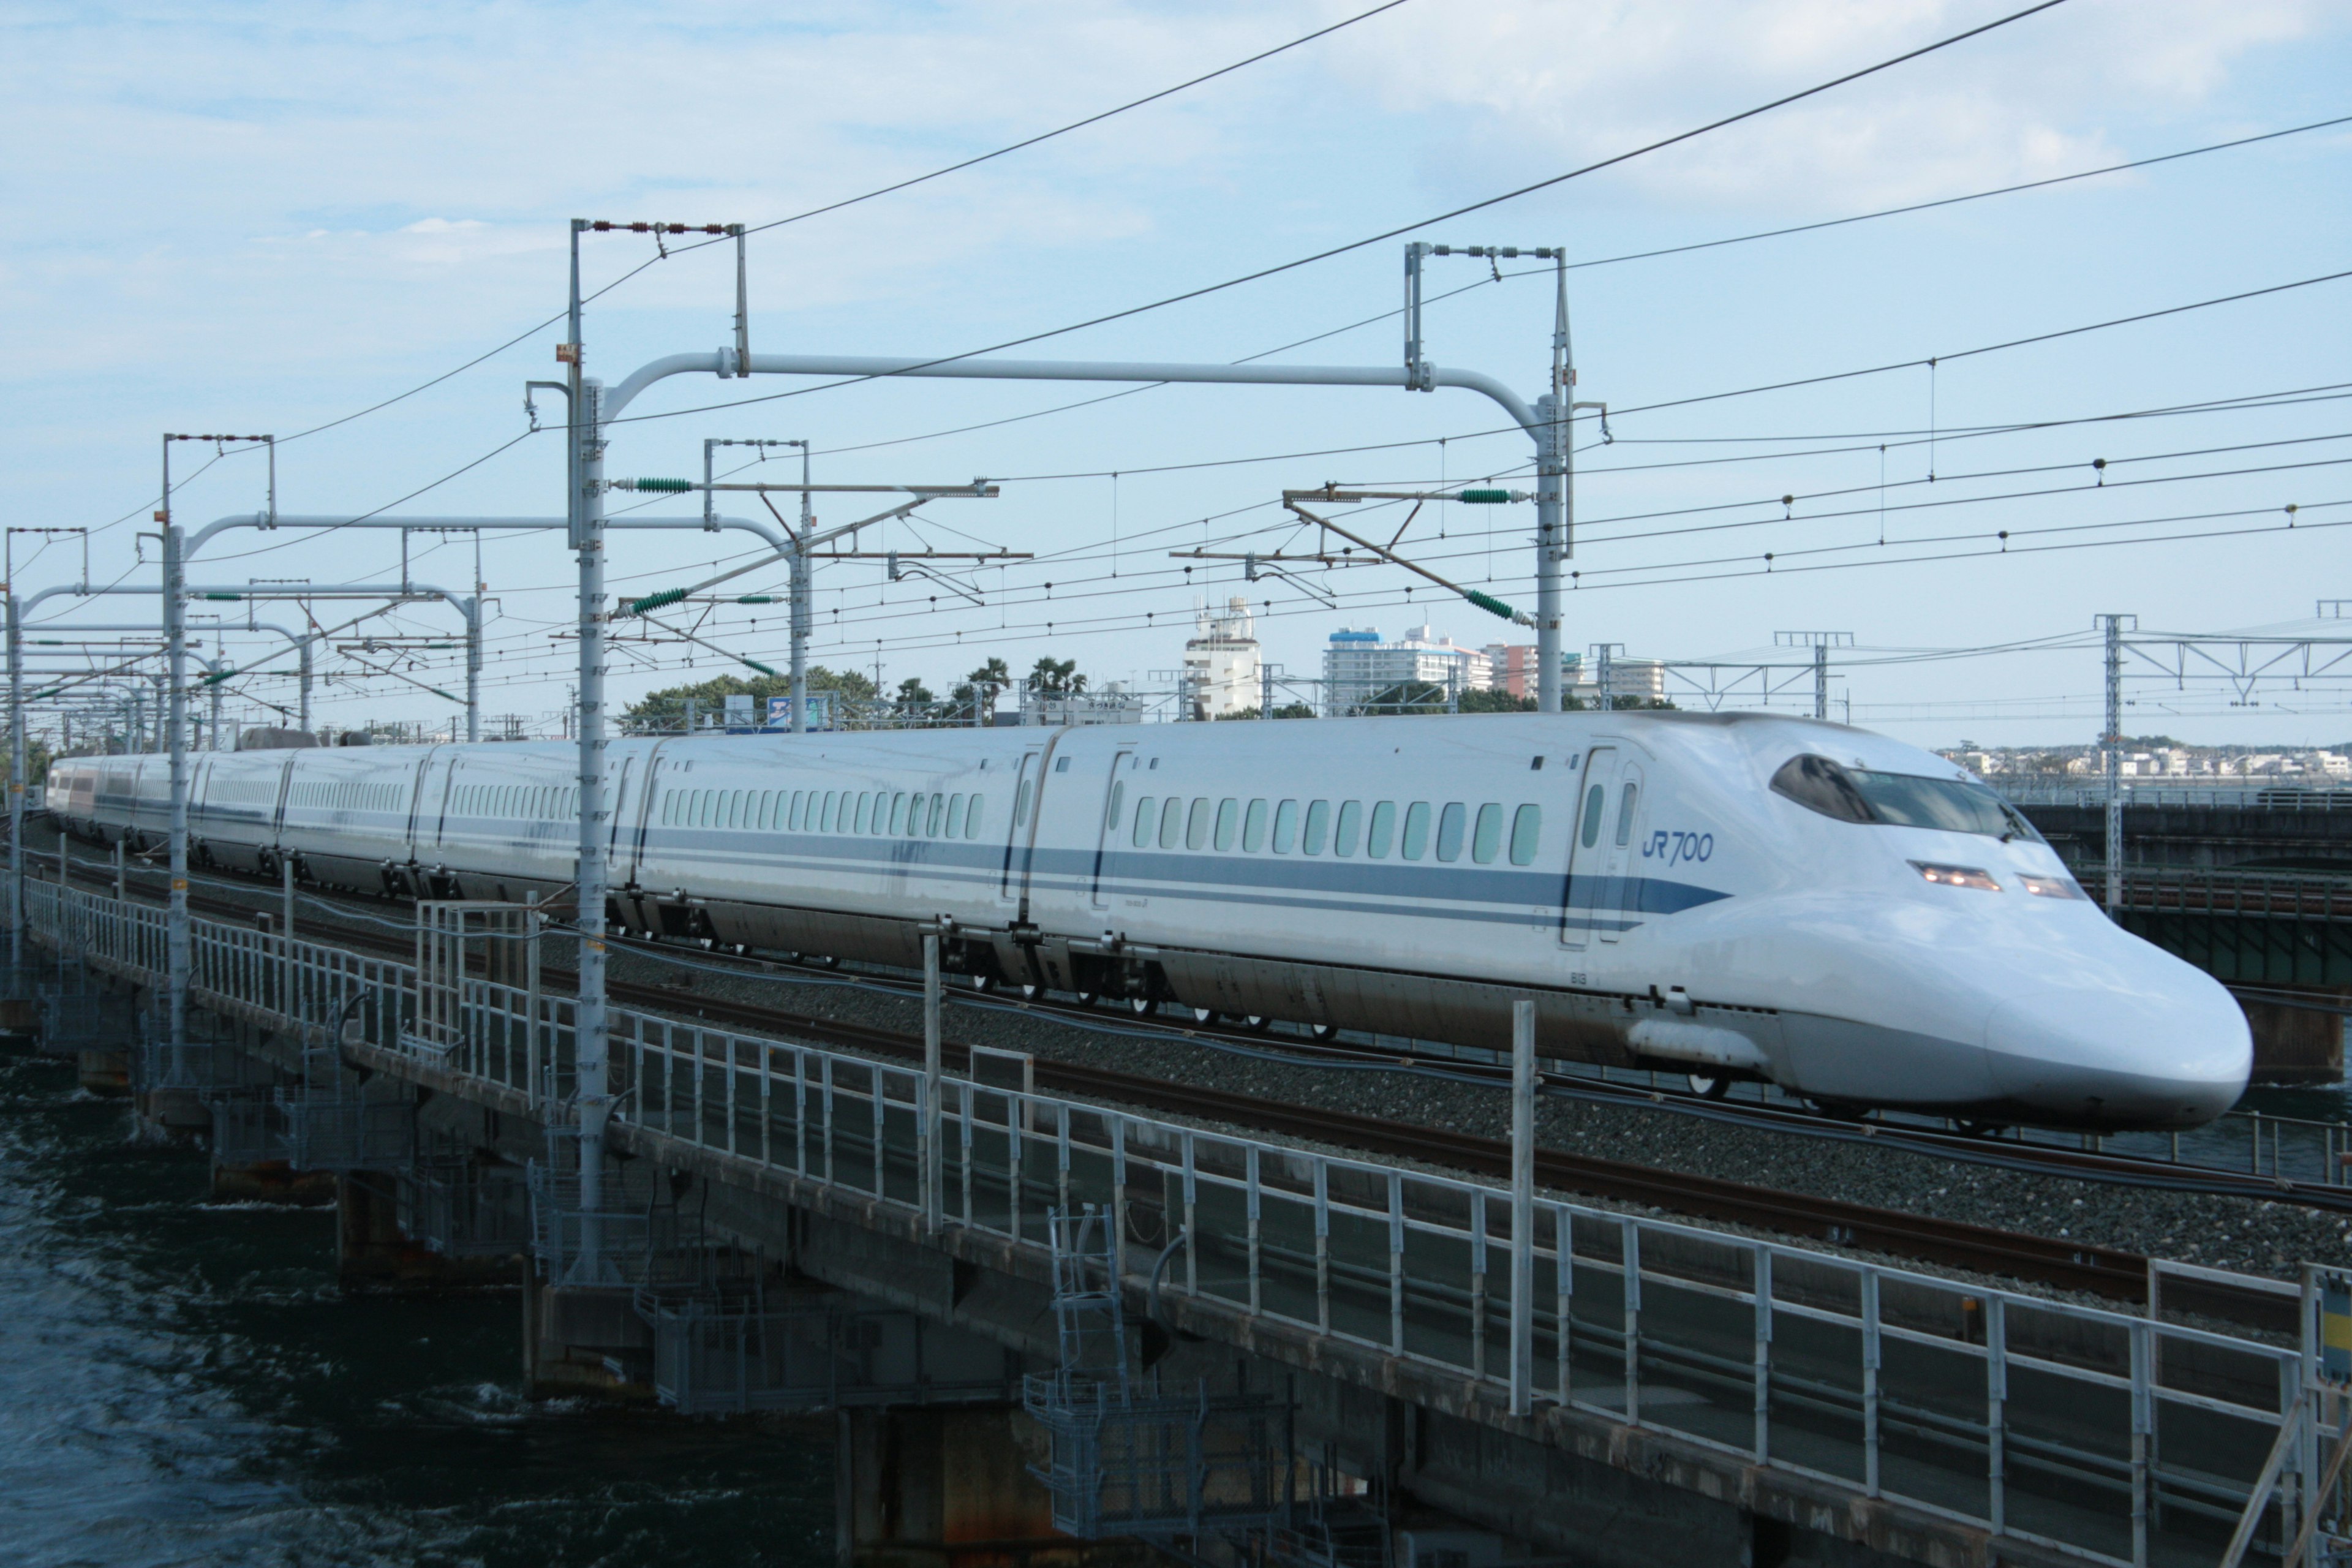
(585, 1341)
(104, 1072)
(950, 1487)
(373, 1253)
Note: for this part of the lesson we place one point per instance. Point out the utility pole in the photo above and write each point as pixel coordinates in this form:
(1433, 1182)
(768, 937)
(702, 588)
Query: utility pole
(586, 512)
(1821, 680)
(2112, 741)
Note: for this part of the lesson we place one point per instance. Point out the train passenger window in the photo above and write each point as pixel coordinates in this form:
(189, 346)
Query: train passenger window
(1254, 828)
(800, 801)
(1486, 837)
(1450, 823)
(1318, 826)
(864, 812)
(829, 822)
(767, 810)
(1228, 821)
(1351, 822)
(955, 815)
(1061, 764)
(1110, 814)
(1416, 830)
(1286, 826)
(1147, 812)
(1625, 803)
(930, 824)
(881, 823)
(1526, 832)
(898, 812)
(1383, 830)
(971, 817)
(1596, 801)
(1172, 821)
(735, 808)
(1021, 806)
(1196, 824)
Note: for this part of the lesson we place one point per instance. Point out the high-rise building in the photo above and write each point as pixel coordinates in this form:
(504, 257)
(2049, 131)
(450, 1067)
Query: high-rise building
(1360, 668)
(1221, 661)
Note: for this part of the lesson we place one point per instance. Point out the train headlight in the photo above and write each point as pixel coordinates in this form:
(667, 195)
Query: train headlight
(1957, 876)
(2051, 887)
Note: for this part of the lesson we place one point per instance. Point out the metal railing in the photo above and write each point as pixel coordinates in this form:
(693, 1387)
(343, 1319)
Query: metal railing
(2252, 795)
(2100, 1434)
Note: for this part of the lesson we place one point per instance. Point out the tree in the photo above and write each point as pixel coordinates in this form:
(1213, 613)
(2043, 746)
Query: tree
(1287, 710)
(983, 686)
(913, 696)
(1499, 702)
(665, 709)
(1054, 677)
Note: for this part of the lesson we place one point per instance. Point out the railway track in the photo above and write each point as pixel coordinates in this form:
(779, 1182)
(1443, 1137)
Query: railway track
(2058, 1262)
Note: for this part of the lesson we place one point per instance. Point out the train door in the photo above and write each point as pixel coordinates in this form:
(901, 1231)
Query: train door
(1588, 849)
(621, 804)
(649, 801)
(1624, 899)
(1018, 834)
(1114, 796)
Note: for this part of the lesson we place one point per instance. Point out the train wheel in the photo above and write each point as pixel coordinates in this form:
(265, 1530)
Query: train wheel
(1032, 992)
(1090, 998)
(1710, 1088)
(1143, 1006)
(1204, 1016)
(1256, 1022)
(1980, 1129)
(1326, 1031)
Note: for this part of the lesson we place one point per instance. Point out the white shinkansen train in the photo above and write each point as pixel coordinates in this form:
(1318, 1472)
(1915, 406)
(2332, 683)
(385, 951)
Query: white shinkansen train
(1728, 896)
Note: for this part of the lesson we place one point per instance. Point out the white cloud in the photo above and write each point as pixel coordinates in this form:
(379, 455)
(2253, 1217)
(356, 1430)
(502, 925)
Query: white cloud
(1541, 86)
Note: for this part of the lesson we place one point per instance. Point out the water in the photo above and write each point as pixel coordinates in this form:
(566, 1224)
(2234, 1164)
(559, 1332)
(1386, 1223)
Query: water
(182, 1384)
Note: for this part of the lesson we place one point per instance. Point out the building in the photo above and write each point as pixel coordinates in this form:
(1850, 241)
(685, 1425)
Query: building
(1221, 674)
(1358, 667)
(1114, 704)
(1512, 668)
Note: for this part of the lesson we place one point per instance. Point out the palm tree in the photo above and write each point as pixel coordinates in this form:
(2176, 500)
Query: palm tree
(988, 680)
(1056, 677)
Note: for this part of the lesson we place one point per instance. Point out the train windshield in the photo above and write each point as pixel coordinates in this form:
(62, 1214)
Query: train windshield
(1899, 800)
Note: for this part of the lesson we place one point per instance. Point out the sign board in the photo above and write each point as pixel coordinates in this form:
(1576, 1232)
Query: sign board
(739, 708)
(820, 713)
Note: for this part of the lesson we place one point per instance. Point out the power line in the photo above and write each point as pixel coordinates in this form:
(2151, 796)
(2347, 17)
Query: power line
(1263, 272)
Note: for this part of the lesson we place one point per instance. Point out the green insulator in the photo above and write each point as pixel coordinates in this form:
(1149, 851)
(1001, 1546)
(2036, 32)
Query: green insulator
(759, 599)
(755, 664)
(226, 598)
(1491, 605)
(1483, 497)
(656, 601)
(671, 487)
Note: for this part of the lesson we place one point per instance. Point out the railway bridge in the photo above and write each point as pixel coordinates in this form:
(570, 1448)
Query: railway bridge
(1062, 1327)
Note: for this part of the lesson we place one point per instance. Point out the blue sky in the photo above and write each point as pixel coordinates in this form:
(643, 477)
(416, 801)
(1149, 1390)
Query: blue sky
(259, 217)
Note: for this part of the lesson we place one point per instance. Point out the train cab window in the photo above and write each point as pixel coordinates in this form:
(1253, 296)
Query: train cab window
(1319, 827)
(971, 817)
(1819, 785)
(1596, 804)
(1196, 824)
(1351, 823)
(1450, 823)
(1254, 828)
(1383, 830)
(1228, 821)
(1628, 799)
(1147, 814)
(1487, 835)
(1021, 805)
(1172, 821)
(955, 816)
(1061, 764)
(1526, 834)
(1286, 826)
(1416, 830)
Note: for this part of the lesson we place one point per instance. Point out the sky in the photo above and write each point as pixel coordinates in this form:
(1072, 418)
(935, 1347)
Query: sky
(255, 217)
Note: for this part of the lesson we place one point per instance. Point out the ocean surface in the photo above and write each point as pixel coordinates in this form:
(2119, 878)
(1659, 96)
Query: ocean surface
(181, 1383)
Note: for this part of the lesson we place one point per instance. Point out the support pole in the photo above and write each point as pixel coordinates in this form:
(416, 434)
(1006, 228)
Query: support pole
(213, 724)
(1555, 498)
(589, 1040)
(2114, 741)
(934, 1167)
(1523, 1206)
(15, 780)
(178, 954)
(122, 872)
(304, 647)
(804, 603)
(1821, 680)
(286, 928)
(473, 611)
(1264, 690)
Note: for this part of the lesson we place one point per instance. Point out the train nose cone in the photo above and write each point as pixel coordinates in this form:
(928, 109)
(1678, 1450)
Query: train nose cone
(2102, 1057)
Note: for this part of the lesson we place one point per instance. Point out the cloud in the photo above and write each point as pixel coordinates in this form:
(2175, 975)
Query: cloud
(1542, 87)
